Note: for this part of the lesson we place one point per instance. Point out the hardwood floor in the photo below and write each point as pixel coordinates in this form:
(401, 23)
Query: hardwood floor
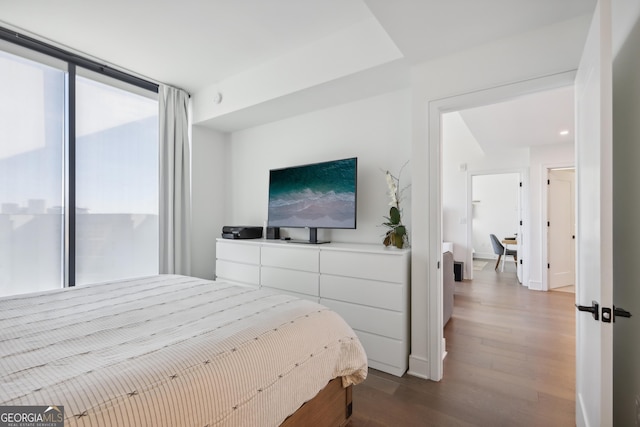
(510, 362)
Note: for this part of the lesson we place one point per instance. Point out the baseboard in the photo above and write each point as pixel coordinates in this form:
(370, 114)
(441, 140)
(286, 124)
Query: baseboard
(485, 256)
(535, 285)
(418, 367)
(444, 348)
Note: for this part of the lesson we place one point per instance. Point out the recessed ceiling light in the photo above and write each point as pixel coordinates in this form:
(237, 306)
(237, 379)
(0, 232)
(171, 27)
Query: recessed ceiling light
(564, 132)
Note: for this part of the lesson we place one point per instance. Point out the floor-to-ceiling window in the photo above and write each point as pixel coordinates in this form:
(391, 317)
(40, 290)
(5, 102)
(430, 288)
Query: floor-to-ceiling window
(98, 222)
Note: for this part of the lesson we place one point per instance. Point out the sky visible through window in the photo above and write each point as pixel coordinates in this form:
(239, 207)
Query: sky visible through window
(31, 140)
(117, 150)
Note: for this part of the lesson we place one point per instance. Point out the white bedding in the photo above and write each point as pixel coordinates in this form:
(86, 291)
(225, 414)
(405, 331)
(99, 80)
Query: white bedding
(171, 351)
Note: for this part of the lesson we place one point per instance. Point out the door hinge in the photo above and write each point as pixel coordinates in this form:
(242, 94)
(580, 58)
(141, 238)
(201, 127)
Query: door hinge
(520, 183)
(548, 182)
(520, 261)
(548, 223)
(520, 222)
(548, 265)
(438, 265)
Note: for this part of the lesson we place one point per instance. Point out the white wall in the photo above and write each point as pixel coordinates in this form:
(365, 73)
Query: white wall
(210, 181)
(376, 130)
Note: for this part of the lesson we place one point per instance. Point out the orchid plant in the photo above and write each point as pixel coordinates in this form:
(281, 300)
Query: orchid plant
(396, 234)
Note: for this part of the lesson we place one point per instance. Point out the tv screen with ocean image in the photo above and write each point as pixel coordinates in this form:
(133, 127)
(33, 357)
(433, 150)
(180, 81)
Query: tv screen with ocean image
(319, 195)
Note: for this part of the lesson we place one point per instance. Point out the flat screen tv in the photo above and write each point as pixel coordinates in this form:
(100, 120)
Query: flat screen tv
(319, 195)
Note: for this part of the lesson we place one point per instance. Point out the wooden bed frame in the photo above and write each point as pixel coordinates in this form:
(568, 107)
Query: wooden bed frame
(331, 407)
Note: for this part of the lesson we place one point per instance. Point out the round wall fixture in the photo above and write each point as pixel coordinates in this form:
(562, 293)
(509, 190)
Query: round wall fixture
(217, 98)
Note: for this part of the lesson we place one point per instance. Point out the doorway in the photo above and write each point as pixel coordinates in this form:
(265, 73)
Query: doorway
(437, 227)
(495, 209)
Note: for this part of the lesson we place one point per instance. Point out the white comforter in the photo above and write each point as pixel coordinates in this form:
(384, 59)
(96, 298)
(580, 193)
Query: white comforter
(171, 351)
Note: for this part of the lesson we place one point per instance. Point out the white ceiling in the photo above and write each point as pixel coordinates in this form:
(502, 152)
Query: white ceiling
(426, 29)
(186, 43)
(194, 44)
(532, 120)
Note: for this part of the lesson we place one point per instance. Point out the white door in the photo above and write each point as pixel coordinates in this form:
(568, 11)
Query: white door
(594, 222)
(561, 228)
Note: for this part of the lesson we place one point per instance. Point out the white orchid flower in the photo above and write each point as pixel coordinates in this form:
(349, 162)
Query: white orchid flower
(393, 189)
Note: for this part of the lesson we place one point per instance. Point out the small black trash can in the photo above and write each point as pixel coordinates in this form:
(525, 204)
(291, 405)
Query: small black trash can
(458, 268)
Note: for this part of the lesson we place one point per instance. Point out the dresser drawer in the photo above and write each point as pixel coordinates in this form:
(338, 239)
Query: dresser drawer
(390, 296)
(388, 352)
(375, 266)
(236, 272)
(238, 252)
(294, 294)
(374, 320)
(302, 282)
(294, 258)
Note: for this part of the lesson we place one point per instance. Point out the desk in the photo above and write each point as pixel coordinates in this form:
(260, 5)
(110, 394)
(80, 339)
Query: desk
(505, 243)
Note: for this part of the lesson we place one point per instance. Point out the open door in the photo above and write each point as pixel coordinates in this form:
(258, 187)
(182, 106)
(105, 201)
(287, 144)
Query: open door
(594, 337)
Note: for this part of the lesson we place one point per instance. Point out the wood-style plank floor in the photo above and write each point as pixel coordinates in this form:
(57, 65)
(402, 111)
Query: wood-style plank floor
(510, 362)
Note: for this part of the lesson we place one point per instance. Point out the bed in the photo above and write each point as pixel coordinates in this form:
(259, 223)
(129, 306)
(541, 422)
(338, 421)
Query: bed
(175, 351)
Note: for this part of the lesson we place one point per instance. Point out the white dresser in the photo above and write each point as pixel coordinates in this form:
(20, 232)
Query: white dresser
(368, 285)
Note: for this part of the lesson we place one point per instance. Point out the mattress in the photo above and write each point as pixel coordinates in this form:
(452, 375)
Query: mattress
(171, 351)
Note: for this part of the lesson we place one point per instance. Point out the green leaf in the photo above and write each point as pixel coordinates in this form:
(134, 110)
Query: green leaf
(394, 215)
(400, 231)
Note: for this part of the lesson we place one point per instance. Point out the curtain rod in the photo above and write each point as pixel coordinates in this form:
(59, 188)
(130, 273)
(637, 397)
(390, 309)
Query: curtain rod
(59, 53)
